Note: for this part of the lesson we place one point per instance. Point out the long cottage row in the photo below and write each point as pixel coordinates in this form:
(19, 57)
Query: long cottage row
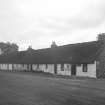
(82, 59)
(49, 68)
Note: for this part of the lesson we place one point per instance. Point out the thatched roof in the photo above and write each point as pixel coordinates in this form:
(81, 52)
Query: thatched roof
(73, 53)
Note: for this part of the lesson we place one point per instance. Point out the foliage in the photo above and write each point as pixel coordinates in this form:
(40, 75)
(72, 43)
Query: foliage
(8, 47)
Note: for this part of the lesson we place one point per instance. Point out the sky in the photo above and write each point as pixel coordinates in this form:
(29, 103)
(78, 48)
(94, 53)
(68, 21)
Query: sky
(37, 23)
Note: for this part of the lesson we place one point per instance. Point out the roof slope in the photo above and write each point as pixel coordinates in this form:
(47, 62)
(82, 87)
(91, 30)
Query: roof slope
(73, 53)
(80, 53)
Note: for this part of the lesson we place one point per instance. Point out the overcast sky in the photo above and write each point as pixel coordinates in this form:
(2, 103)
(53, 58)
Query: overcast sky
(39, 22)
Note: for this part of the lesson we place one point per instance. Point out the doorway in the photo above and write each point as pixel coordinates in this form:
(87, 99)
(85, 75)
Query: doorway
(55, 68)
(73, 69)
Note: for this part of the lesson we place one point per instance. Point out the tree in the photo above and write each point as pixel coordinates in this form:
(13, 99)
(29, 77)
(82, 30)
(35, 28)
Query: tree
(8, 47)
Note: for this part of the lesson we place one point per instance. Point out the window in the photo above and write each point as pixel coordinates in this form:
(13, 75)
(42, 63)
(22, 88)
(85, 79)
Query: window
(62, 67)
(68, 66)
(46, 66)
(28, 67)
(84, 67)
(37, 66)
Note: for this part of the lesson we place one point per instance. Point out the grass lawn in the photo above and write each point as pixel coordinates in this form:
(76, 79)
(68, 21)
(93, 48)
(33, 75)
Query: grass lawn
(35, 89)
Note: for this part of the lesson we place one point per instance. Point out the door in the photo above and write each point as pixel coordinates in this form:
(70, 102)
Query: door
(73, 69)
(55, 68)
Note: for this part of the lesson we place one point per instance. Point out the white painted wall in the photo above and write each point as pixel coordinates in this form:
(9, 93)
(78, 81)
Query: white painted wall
(19, 67)
(25, 67)
(50, 68)
(41, 67)
(44, 69)
(91, 71)
(4, 66)
(65, 71)
(34, 67)
(10, 67)
(15, 67)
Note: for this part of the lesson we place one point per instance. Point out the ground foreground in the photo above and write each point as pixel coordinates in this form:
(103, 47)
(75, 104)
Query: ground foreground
(35, 89)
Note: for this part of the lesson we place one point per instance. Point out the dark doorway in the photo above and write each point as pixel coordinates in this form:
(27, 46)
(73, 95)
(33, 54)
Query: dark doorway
(55, 68)
(31, 68)
(73, 69)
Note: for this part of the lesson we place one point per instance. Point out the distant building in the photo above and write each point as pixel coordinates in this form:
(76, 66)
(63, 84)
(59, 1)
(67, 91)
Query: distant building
(53, 45)
(82, 59)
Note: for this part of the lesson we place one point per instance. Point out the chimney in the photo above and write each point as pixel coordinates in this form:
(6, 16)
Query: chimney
(53, 45)
(101, 37)
(29, 48)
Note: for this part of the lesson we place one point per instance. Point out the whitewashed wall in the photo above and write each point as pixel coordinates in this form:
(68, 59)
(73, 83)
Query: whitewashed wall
(19, 67)
(66, 70)
(10, 67)
(3, 66)
(34, 67)
(91, 70)
(13, 67)
(25, 67)
(50, 68)
(42, 67)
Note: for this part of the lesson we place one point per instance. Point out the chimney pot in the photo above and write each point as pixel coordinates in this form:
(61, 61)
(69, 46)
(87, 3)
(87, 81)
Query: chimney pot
(53, 45)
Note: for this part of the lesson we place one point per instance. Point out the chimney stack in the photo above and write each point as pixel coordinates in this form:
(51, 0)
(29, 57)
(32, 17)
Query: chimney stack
(53, 45)
(29, 48)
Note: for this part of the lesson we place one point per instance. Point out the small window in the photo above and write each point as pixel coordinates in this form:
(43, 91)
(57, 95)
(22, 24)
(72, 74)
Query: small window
(37, 65)
(84, 67)
(62, 67)
(46, 66)
(28, 66)
(68, 66)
